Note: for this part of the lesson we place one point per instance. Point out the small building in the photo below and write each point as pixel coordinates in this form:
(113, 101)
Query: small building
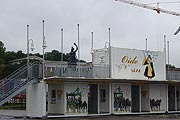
(118, 81)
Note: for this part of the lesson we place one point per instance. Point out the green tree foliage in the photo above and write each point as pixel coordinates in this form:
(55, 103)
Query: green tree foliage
(2, 70)
(55, 55)
(11, 55)
(170, 66)
(5, 57)
(2, 52)
(20, 54)
(37, 54)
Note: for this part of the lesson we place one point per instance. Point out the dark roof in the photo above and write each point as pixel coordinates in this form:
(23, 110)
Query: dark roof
(55, 79)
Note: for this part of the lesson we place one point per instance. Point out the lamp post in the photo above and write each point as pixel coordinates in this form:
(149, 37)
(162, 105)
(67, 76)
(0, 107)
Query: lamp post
(32, 48)
(44, 47)
(105, 45)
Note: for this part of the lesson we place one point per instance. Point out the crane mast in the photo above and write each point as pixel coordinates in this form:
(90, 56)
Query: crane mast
(157, 9)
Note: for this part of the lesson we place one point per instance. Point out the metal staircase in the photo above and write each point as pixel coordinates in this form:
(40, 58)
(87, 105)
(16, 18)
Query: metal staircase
(18, 81)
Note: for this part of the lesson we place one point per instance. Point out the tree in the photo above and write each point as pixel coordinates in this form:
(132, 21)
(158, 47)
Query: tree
(2, 52)
(170, 66)
(55, 55)
(20, 54)
(2, 71)
(9, 56)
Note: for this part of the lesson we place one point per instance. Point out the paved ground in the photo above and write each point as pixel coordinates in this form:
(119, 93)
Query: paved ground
(133, 117)
(20, 115)
(13, 113)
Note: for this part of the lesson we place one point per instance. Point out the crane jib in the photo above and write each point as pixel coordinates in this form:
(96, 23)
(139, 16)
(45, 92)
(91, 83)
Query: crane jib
(157, 9)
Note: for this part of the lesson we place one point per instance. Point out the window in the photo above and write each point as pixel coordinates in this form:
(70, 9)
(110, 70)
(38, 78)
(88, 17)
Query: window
(102, 95)
(53, 96)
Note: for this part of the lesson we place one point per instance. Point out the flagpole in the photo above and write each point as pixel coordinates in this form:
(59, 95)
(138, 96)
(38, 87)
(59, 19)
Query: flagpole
(62, 51)
(92, 41)
(109, 29)
(44, 47)
(166, 73)
(27, 51)
(146, 44)
(79, 73)
(165, 49)
(168, 58)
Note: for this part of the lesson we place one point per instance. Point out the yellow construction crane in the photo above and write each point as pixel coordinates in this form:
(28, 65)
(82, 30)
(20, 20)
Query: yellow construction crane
(157, 9)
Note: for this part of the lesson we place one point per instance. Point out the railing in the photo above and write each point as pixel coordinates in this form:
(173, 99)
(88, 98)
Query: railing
(84, 70)
(18, 81)
(172, 74)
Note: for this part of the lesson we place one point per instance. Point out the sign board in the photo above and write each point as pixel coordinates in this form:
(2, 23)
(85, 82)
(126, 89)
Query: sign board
(137, 64)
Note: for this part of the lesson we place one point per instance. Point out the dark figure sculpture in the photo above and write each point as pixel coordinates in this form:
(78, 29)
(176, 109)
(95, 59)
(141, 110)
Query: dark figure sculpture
(72, 56)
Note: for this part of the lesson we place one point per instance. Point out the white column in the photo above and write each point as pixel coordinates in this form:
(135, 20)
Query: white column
(36, 100)
(110, 98)
(167, 98)
(139, 98)
(175, 99)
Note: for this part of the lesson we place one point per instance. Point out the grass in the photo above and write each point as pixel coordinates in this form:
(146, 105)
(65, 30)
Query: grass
(13, 106)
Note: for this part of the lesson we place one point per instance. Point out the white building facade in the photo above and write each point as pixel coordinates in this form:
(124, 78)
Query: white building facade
(120, 81)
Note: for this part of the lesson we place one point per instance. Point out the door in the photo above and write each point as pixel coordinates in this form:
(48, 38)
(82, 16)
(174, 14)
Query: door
(93, 99)
(171, 98)
(135, 98)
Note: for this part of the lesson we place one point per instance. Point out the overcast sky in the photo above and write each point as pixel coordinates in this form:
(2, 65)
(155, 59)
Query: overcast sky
(130, 25)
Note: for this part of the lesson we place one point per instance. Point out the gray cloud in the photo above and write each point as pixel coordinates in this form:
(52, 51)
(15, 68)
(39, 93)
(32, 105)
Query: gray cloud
(129, 25)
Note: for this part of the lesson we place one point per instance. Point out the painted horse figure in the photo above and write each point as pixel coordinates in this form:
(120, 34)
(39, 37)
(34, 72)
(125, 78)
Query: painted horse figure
(78, 104)
(155, 104)
(128, 105)
(84, 106)
(124, 104)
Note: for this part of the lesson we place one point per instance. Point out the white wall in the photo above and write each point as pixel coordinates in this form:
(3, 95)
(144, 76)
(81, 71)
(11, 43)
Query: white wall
(101, 56)
(36, 100)
(145, 103)
(71, 87)
(126, 90)
(100, 63)
(56, 105)
(158, 91)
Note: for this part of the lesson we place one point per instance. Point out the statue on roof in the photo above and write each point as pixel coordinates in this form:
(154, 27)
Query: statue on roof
(72, 59)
